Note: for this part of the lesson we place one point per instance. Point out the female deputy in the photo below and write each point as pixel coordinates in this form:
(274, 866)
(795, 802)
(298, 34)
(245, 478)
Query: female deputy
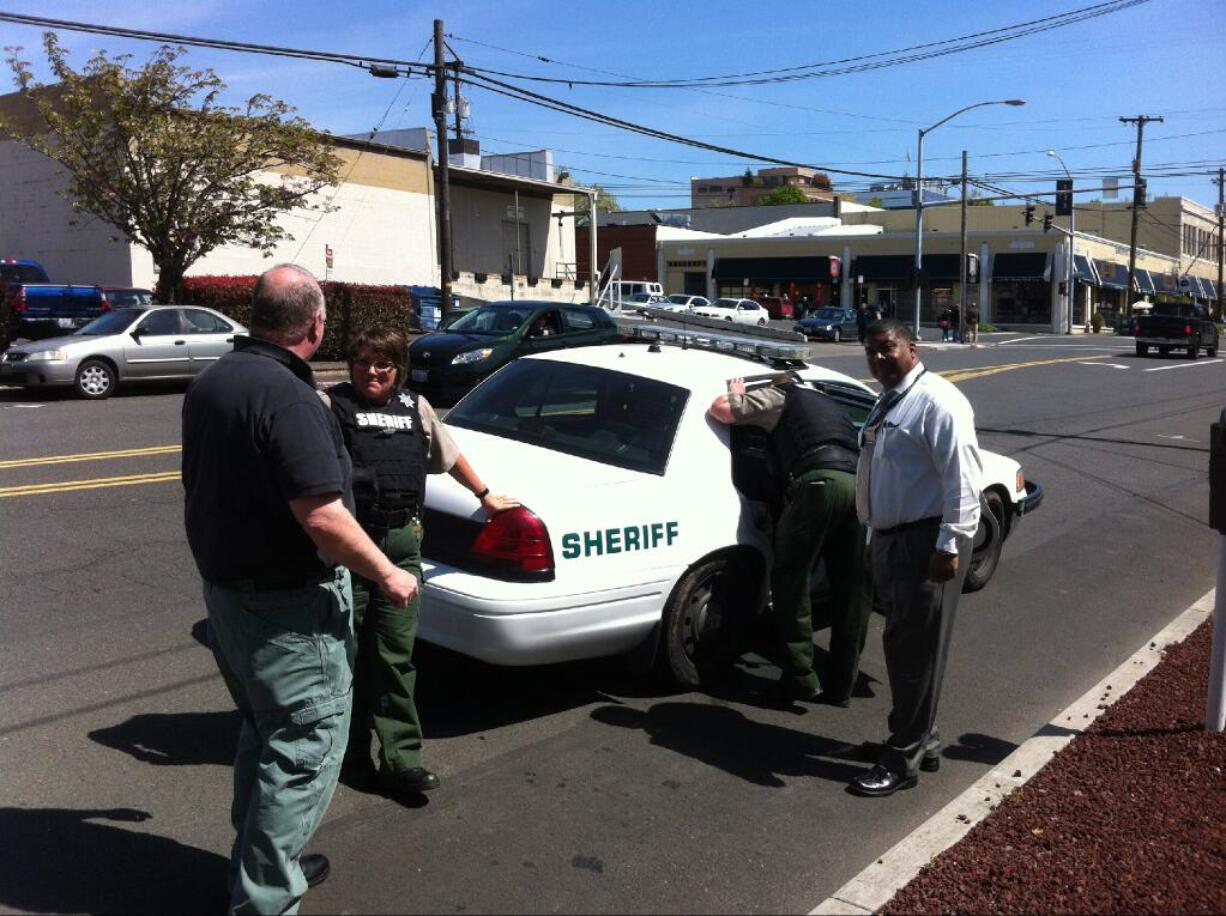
(395, 439)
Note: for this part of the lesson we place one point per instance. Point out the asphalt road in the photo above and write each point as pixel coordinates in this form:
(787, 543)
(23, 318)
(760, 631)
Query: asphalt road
(575, 787)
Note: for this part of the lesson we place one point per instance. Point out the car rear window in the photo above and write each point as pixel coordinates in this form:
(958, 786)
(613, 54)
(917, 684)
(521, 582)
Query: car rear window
(606, 416)
(129, 298)
(21, 273)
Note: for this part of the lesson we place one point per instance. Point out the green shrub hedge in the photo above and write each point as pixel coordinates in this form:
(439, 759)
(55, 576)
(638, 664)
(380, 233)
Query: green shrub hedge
(350, 306)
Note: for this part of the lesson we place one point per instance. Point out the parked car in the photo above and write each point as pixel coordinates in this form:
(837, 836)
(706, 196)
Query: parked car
(647, 300)
(125, 297)
(38, 310)
(829, 323)
(644, 528)
(740, 311)
(444, 366)
(161, 342)
(778, 307)
(1176, 326)
(618, 293)
(22, 270)
(681, 302)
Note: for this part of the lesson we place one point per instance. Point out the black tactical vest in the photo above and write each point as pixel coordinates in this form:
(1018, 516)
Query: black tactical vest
(813, 432)
(387, 445)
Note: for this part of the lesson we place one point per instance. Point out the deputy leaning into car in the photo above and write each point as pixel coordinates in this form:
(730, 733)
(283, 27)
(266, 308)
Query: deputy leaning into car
(395, 439)
(815, 446)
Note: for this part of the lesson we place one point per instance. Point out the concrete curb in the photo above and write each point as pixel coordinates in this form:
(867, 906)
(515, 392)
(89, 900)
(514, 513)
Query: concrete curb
(876, 885)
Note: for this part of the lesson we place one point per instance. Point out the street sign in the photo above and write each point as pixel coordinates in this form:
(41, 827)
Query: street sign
(1064, 197)
(328, 256)
(1111, 188)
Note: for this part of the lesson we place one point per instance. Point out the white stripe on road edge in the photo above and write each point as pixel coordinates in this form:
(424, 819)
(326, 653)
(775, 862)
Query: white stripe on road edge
(1108, 365)
(1204, 362)
(874, 887)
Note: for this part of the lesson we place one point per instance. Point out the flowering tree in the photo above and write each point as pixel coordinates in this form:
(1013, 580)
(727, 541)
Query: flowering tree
(152, 152)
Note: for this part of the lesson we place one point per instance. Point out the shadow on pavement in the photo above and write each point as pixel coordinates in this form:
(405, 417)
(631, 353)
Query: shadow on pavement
(175, 739)
(61, 860)
(979, 748)
(724, 738)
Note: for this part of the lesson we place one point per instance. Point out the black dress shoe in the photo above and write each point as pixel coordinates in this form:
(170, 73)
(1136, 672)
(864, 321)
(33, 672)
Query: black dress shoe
(315, 868)
(879, 782)
(830, 699)
(790, 692)
(409, 783)
(930, 763)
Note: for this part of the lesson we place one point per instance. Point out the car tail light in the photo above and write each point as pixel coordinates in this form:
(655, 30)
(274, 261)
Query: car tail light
(1187, 330)
(515, 541)
(18, 297)
(105, 306)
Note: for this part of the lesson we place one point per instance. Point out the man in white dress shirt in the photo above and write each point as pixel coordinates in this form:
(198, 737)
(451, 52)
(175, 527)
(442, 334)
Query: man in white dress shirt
(917, 489)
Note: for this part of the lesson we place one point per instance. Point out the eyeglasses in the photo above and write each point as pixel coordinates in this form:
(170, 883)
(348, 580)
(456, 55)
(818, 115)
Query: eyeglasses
(378, 365)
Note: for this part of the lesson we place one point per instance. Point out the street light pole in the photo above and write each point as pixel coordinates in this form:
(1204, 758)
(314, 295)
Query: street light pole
(1072, 230)
(918, 196)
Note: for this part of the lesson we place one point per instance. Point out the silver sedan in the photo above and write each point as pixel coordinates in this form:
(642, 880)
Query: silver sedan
(161, 342)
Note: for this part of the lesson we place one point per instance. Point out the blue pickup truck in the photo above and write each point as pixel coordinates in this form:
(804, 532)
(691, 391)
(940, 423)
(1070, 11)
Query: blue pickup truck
(35, 308)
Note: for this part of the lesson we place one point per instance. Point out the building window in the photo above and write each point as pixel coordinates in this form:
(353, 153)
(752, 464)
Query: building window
(1021, 302)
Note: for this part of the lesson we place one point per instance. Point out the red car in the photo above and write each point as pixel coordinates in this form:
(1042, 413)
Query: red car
(776, 306)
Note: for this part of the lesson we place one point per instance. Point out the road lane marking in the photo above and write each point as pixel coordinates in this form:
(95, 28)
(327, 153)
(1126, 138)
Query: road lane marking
(68, 486)
(1104, 365)
(963, 375)
(1188, 365)
(92, 456)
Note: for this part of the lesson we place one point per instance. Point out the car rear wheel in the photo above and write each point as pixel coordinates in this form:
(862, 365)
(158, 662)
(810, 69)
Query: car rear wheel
(1193, 350)
(705, 621)
(95, 380)
(1142, 349)
(761, 322)
(989, 541)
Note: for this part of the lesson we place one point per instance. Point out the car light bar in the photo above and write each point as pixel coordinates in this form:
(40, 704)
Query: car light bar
(723, 343)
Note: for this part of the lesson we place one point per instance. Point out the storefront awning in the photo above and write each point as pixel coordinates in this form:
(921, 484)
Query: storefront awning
(1144, 282)
(1166, 283)
(1203, 288)
(876, 268)
(1210, 287)
(1083, 270)
(1112, 275)
(738, 269)
(1013, 266)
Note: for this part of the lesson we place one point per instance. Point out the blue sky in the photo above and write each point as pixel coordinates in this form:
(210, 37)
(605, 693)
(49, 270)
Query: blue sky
(1156, 58)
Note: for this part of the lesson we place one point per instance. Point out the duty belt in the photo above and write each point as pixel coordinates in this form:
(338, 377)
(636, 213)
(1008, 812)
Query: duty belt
(828, 456)
(386, 519)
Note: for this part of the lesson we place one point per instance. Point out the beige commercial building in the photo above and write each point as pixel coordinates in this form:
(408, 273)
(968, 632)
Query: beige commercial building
(867, 256)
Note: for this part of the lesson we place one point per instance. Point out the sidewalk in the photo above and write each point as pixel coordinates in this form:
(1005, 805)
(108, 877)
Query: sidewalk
(1128, 817)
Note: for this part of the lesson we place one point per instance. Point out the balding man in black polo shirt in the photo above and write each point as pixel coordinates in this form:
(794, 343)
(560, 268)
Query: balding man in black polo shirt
(269, 522)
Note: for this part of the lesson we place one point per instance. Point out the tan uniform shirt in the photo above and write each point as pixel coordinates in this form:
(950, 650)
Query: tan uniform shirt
(761, 407)
(441, 450)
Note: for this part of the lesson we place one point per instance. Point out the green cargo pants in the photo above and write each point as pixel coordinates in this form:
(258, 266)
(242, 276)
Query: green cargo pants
(287, 659)
(385, 677)
(819, 520)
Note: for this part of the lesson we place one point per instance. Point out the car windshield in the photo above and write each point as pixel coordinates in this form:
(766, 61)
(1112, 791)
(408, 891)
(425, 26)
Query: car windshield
(828, 314)
(21, 273)
(679, 300)
(491, 320)
(598, 414)
(111, 322)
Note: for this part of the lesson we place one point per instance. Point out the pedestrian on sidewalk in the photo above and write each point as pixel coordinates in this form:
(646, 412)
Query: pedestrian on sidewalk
(268, 519)
(945, 322)
(814, 443)
(395, 439)
(972, 323)
(917, 489)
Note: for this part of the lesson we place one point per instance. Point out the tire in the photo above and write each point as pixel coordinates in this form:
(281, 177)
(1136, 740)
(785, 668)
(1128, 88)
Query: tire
(761, 322)
(95, 380)
(1142, 349)
(729, 320)
(989, 541)
(1193, 350)
(1163, 351)
(1211, 352)
(838, 335)
(705, 621)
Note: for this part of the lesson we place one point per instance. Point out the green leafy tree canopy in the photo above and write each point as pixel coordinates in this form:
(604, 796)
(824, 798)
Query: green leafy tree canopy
(153, 152)
(604, 201)
(784, 194)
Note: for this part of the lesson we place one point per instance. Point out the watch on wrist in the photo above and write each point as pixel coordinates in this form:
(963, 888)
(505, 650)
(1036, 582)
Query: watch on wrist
(484, 493)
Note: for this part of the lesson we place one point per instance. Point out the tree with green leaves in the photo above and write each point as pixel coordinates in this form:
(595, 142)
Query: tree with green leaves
(784, 194)
(604, 201)
(154, 153)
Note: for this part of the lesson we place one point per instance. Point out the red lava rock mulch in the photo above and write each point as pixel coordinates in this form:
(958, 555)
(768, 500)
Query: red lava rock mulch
(1129, 818)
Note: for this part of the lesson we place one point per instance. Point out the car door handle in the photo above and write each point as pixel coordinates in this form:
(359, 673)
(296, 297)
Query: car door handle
(179, 343)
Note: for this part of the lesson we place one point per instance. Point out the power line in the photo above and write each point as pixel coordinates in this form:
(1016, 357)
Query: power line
(860, 63)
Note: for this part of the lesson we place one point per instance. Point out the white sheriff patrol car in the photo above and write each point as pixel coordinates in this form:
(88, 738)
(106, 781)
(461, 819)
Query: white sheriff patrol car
(645, 525)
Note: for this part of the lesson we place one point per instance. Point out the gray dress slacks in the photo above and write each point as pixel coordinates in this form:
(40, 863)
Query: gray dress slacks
(919, 620)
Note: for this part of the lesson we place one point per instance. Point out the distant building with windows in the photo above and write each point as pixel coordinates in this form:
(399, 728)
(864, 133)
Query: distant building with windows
(746, 190)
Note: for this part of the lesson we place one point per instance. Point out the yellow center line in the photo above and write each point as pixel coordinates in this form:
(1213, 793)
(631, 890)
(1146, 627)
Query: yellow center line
(67, 486)
(92, 456)
(962, 375)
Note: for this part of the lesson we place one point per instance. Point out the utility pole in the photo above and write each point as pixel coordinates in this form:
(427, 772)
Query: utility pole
(1140, 121)
(438, 104)
(962, 262)
(1221, 223)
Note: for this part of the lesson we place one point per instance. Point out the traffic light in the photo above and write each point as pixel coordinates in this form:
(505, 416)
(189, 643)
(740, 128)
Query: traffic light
(972, 268)
(1029, 214)
(1047, 222)
(1139, 195)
